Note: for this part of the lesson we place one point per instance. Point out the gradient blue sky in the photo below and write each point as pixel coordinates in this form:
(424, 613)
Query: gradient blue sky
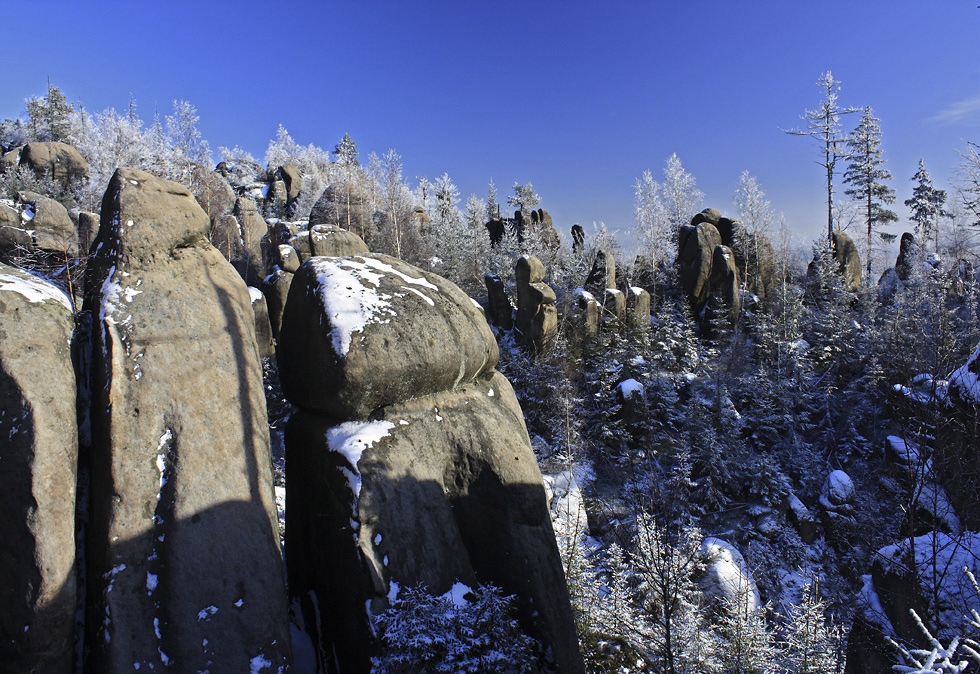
(577, 98)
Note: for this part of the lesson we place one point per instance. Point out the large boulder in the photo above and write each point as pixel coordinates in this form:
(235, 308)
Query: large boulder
(725, 284)
(37, 476)
(54, 160)
(695, 250)
(848, 259)
(499, 310)
(348, 321)
(276, 290)
(431, 491)
(602, 275)
(343, 204)
(252, 229)
(536, 322)
(331, 241)
(907, 253)
(48, 224)
(183, 553)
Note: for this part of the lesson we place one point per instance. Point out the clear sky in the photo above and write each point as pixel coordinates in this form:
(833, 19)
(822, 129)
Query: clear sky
(577, 98)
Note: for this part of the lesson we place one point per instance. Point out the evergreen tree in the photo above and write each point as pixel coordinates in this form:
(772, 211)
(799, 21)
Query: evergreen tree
(866, 175)
(811, 642)
(493, 208)
(345, 152)
(754, 210)
(927, 205)
(824, 126)
(525, 199)
(49, 116)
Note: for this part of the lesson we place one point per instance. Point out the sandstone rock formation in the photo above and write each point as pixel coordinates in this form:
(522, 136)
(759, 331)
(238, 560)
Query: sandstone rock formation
(344, 205)
(409, 463)
(536, 323)
(38, 223)
(848, 260)
(247, 258)
(54, 160)
(695, 251)
(182, 545)
(37, 476)
(500, 312)
(332, 241)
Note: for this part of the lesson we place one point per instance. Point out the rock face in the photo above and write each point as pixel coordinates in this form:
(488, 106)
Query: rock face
(696, 246)
(37, 476)
(602, 274)
(537, 318)
(906, 255)
(344, 205)
(500, 311)
(55, 160)
(247, 258)
(578, 237)
(44, 225)
(182, 546)
(725, 283)
(848, 260)
(350, 314)
(410, 463)
(328, 240)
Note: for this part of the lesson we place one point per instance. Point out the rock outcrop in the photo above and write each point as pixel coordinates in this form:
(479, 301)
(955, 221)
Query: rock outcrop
(37, 223)
(38, 469)
(59, 161)
(695, 251)
(536, 323)
(182, 545)
(500, 313)
(848, 259)
(409, 463)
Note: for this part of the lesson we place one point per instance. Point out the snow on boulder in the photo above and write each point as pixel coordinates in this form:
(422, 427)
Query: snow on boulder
(838, 489)
(727, 577)
(966, 379)
(332, 241)
(370, 330)
(38, 455)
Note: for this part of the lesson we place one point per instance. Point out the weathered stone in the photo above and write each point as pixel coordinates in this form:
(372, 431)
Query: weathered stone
(276, 291)
(183, 543)
(602, 275)
(496, 230)
(725, 283)
(48, 223)
(907, 251)
(288, 258)
(709, 215)
(302, 245)
(638, 306)
(55, 160)
(338, 327)
(614, 303)
(13, 236)
(331, 241)
(344, 205)
(37, 476)
(696, 245)
(263, 326)
(88, 229)
(727, 579)
(848, 260)
(500, 312)
(253, 229)
(589, 314)
(802, 519)
(536, 323)
(441, 489)
(578, 237)
(10, 160)
(277, 196)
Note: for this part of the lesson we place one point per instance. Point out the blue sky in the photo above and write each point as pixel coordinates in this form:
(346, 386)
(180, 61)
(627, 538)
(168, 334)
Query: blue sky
(577, 98)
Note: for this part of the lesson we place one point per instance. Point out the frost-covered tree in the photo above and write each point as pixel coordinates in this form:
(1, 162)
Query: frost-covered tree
(680, 198)
(754, 210)
(866, 174)
(189, 152)
(823, 124)
(49, 116)
(492, 211)
(927, 205)
(524, 199)
(811, 640)
(345, 152)
(474, 633)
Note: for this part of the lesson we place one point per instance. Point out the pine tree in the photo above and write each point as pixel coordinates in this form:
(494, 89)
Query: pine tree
(493, 208)
(810, 639)
(927, 205)
(866, 175)
(525, 199)
(49, 116)
(824, 126)
(345, 152)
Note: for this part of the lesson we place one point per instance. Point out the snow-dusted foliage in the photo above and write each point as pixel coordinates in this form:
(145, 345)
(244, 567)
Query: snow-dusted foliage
(461, 632)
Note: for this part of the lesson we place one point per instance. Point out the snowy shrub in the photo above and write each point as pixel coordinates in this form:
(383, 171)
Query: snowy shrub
(472, 633)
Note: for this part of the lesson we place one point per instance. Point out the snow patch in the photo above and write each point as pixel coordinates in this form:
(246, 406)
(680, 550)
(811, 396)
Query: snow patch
(965, 379)
(258, 663)
(630, 387)
(255, 294)
(457, 594)
(34, 290)
(350, 439)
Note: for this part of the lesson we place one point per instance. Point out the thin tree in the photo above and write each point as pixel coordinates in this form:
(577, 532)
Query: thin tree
(926, 204)
(824, 126)
(866, 174)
